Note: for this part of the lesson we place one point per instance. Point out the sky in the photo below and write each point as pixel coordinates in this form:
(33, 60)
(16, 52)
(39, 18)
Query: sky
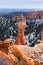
(22, 4)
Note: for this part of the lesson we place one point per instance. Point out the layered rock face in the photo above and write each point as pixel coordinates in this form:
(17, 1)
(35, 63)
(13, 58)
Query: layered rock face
(20, 54)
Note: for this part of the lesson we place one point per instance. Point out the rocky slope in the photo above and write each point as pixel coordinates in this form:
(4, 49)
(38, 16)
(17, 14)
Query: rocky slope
(20, 54)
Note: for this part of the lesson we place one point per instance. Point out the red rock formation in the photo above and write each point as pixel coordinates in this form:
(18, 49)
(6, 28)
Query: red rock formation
(5, 44)
(21, 27)
(31, 56)
(21, 55)
(31, 15)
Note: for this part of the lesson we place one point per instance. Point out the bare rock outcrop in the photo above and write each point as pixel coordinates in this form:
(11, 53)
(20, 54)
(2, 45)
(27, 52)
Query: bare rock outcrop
(21, 54)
